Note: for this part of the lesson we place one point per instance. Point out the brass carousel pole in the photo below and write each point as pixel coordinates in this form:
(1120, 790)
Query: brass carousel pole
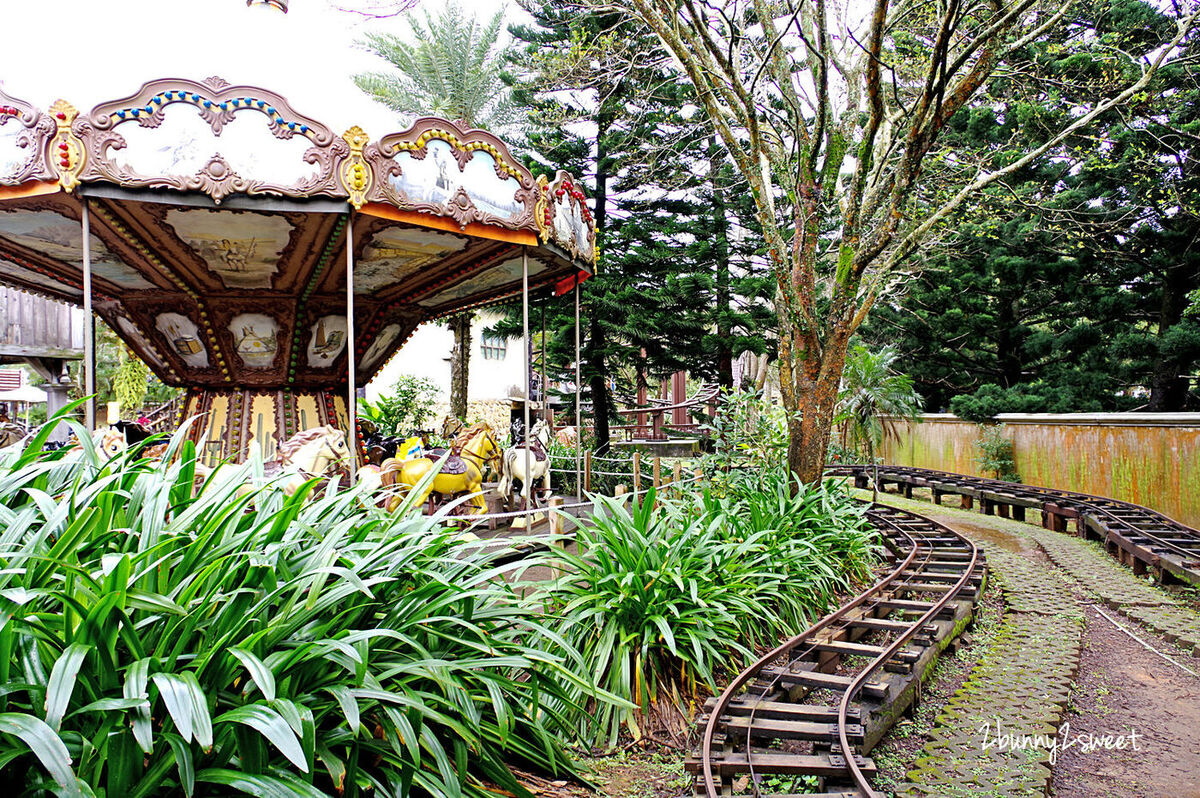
(89, 325)
(578, 403)
(528, 366)
(352, 399)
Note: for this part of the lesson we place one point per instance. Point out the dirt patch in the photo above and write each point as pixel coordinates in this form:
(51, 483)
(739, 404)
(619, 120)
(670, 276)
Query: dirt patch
(1122, 687)
(638, 773)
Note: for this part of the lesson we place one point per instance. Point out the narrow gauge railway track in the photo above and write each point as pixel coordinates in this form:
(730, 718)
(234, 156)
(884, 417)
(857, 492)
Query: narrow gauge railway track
(815, 706)
(1145, 540)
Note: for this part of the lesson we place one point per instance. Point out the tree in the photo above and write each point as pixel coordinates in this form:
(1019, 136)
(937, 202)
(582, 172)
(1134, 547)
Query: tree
(833, 119)
(455, 70)
(1063, 290)
(872, 397)
(678, 283)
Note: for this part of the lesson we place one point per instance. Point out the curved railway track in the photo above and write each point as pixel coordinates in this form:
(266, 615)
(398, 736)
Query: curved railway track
(1146, 540)
(806, 713)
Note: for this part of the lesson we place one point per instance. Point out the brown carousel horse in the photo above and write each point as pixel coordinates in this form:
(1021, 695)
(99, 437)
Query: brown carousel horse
(474, 449)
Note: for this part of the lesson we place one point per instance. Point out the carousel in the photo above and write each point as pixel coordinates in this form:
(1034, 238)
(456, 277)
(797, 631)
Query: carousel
(266, 264)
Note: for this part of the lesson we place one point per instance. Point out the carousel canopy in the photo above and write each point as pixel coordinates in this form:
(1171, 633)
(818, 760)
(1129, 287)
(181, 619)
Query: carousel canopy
(220, 217)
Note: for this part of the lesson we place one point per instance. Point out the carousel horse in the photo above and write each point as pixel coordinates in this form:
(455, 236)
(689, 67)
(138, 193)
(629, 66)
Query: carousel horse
(462, 472)
(108, 442)
(513, 464)
(567, 436)
(309, 454)
(11, 433)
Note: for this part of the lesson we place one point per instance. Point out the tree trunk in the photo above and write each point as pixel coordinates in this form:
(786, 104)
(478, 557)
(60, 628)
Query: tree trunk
(594, 351)
(460, 361)
(721, 256)
(813, 401)
(1168, 389)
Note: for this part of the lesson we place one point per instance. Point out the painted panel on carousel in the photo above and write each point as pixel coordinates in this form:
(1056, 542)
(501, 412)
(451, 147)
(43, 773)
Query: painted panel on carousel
(210, 137)
(327, 341)
(58, 237)
(437, 179)
(380, 346)
(132, 334)
(507, 272)
(395, 254)
(184, 338)
(254, 339)
(242, 249)
(185, 145)
(570, 218)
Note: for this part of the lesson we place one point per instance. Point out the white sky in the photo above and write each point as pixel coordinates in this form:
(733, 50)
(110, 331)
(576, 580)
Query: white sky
(90, 51)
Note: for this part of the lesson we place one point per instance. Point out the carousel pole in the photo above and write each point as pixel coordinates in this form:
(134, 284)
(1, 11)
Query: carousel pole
(352, 399)
(89, 325)
(578, 402)
(545, 391)
(528, 366)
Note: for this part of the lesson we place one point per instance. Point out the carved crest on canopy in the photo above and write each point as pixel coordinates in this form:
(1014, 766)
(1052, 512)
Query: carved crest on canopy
(107, 130)
(24, 136)
(440, 168)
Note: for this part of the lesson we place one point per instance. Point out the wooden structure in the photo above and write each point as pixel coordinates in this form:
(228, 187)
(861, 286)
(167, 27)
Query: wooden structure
(248, 253)
(652, 419)
(43, 334)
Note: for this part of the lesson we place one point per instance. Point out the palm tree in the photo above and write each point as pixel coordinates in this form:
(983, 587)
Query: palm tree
(454, 70)
(873, 397)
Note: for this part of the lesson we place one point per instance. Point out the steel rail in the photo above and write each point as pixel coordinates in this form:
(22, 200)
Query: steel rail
(791, 650)
(1099, 506)
(891, 651)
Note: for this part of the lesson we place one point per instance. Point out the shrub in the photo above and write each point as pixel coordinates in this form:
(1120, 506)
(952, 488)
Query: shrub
(406, 408)
(666, 596)
(156, 642)
(996, 453)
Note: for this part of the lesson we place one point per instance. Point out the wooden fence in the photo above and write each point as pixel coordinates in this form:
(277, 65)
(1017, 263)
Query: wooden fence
(1151, 459)
(31, 326)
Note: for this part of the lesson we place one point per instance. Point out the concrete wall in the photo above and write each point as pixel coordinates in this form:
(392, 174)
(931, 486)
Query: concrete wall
(1151, 459)
(427, 354)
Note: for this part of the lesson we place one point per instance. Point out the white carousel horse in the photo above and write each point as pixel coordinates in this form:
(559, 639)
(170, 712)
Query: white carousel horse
(306, 455)
(107, 441)
(512, 467)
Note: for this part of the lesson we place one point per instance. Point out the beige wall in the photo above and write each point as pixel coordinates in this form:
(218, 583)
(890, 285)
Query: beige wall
(1152, 459)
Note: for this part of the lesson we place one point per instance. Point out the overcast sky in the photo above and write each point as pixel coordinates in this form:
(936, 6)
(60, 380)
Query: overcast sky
(89, 51)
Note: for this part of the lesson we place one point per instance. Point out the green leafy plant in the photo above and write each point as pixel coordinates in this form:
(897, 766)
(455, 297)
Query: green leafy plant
(746, 431)
(996, 453)
(872, 398)
(665, 596)
(406, 408)
(160, 641)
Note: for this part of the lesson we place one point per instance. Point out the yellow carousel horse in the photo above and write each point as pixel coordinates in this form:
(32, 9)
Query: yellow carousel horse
(474, 449)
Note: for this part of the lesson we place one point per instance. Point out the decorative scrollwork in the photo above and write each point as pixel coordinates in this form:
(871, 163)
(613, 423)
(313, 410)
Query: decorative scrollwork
(37, 128)
(217, 103)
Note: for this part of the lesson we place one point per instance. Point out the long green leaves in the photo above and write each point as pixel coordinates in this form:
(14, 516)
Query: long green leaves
(156, 640)
(664, 596)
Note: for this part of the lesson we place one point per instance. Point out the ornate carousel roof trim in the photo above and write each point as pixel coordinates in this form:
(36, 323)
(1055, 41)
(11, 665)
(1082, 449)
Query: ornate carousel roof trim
(436, 173)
